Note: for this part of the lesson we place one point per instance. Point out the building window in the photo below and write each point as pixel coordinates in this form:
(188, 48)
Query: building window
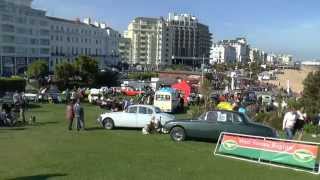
(8, 49)
(44, 42)
(44, 51)
(7, 28)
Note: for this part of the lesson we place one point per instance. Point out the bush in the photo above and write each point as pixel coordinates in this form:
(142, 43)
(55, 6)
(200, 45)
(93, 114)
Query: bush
(270, 119)
(12, 84)
(195, 111)
(311, 129)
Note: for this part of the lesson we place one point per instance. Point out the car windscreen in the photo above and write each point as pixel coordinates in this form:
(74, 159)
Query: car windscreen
(157, 110)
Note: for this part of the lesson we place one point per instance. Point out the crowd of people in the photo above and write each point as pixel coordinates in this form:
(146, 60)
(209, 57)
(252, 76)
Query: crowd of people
(11, 112)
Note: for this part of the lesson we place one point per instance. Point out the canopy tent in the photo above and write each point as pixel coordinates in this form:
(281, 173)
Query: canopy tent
(184, 87)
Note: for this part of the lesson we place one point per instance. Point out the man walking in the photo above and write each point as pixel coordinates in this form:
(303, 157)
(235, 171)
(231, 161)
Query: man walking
(289, 121)
(78, 112)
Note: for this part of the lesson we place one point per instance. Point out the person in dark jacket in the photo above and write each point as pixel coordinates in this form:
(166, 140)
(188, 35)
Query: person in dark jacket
(79, 113)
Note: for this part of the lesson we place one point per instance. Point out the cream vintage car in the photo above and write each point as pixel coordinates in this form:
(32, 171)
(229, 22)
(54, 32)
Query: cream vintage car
(136, 116)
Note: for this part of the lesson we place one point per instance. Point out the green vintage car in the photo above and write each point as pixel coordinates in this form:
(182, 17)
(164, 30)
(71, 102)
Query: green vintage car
(210, 124)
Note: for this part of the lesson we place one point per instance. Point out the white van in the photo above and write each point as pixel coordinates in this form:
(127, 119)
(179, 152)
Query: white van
(167, 99)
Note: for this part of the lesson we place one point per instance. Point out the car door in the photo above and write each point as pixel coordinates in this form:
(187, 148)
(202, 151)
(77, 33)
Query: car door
(211, 129)
(205, 127)
(231, 122)
(144, 116)
(129, 118)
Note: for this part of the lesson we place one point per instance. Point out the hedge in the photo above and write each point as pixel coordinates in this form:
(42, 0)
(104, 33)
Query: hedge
(12, 84)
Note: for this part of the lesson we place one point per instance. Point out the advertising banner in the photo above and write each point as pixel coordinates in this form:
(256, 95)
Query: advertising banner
(295, 154)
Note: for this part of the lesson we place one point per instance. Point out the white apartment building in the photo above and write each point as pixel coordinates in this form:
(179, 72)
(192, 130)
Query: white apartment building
(180, 39)
(257, 55)
(24, 36)
(146, 35)
(242, 48)
(286, 59)
(70, 39)
(272, 58)
(223, 54)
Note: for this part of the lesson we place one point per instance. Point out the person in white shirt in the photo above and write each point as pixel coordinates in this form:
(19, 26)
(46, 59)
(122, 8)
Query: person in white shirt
(289, 121)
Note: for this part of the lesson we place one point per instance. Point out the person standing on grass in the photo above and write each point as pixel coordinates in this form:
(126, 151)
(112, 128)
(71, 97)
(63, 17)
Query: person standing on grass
(70, 115)
(289, 121)
(77, 114)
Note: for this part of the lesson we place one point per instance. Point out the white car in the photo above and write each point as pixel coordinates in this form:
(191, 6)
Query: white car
(137, 116)
(32, 96)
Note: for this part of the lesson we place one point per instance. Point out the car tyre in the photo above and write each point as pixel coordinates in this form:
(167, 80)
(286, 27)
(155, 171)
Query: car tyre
(178, 134)
(108, 124)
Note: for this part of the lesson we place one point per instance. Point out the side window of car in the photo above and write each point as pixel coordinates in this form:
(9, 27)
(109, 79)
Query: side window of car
(221, 116)
(142, 110)
(212, 116)
(133, 110)
(236, 118)
(149, 111)
(224, 117)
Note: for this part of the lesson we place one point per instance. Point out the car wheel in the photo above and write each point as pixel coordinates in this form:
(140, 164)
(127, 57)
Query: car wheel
(108, 124)
(178, 134)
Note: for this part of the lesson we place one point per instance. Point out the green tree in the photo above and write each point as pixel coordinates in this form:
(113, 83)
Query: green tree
(87, 68)
(206, 90)
(38, 69)
(311, 93)
(64, 72)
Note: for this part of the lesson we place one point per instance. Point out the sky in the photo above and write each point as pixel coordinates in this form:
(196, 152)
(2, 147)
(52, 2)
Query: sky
(279, 26)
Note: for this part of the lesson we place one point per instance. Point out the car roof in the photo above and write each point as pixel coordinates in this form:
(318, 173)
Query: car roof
(142, 105)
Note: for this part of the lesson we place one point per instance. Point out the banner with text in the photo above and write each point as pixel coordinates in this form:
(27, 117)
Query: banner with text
(276, 151)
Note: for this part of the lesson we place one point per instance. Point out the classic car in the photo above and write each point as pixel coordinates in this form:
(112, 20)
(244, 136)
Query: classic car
(136, 116)
(129, 91)
(210, 124)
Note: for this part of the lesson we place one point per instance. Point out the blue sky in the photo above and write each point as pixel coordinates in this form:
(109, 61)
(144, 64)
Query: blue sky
(280, 26)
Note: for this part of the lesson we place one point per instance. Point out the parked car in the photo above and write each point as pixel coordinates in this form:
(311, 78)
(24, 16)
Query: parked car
(129, 91)
(136, 116)
(210, 124)
(31, 95)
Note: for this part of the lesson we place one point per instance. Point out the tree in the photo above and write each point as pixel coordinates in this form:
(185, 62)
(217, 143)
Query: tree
(38, 69)
(206, 90)
(87, 68)
(311, 93)
(64, 72)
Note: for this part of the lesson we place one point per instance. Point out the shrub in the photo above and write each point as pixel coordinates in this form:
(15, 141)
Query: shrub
(12, 84)
(270, 119)
(311, 129)
(195, 111)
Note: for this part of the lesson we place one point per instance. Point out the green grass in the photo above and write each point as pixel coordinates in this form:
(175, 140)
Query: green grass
(49, 151)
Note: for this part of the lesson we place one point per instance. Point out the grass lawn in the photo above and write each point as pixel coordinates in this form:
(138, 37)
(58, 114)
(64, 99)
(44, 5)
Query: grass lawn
(49, 151)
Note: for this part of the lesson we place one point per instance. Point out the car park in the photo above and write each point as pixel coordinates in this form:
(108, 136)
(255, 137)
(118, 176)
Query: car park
(210, 124)
(136, 116)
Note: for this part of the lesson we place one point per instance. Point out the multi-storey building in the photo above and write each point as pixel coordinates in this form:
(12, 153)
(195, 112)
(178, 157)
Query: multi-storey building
(257, 55)
(223, 54)
(70, 39)
(191, 40)
(180, 39)
(24, 36)
(242, 48)
(285, 59)
(146, 35)
(125, 50)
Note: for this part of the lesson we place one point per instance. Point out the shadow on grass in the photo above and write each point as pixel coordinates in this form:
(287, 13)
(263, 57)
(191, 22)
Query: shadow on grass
(34, 106)
(38, 177)
(13, 128)
(95, 129)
